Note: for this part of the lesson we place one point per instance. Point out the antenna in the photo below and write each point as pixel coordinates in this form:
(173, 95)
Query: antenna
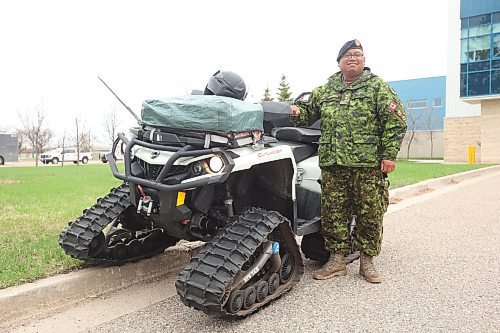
(126, 107)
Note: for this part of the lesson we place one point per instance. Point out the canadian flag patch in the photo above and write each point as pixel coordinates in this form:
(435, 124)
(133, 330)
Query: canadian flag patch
(392, 106)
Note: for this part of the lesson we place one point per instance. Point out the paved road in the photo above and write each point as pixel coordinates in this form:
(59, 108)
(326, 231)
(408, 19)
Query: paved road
(440, 263)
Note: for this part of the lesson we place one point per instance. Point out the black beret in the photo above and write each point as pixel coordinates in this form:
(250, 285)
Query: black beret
(352, 44)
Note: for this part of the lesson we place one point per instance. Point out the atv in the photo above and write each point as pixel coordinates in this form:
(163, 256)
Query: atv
(233, 174)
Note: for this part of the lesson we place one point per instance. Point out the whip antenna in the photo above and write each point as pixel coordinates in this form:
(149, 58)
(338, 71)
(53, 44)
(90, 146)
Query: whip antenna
(126, 107)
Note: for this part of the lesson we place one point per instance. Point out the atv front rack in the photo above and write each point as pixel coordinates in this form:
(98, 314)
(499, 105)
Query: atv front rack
(179, 152)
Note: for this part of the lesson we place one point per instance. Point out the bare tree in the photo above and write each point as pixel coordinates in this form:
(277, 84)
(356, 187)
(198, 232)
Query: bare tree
(111, 124)
(44, 139)
(87, 139)
(430, 124)
(21, 140)
(412, 118)
(35, 131)
(79, 137)
(82, 139)
(62, 144)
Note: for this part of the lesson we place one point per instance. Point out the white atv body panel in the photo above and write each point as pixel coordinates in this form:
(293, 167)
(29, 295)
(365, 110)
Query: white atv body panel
(309, 174)
(248, 157)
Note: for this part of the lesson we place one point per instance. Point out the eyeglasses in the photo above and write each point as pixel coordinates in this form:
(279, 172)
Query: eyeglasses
(356, 55)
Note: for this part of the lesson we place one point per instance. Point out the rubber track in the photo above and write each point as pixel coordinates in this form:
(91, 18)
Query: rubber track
(204, 280)
(75, 239)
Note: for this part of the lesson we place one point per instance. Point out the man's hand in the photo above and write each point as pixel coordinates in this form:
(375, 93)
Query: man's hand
(387, 166)
(295, 110)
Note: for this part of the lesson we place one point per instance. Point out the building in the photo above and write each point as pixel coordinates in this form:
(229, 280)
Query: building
(8, 148)
(472, 118)
(425, 103)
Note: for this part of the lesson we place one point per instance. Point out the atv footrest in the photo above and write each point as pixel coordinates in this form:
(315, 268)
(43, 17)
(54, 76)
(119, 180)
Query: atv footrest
(305, 227)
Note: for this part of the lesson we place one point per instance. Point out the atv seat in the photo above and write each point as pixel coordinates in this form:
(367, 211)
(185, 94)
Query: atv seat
(300, 151)
(297, 134)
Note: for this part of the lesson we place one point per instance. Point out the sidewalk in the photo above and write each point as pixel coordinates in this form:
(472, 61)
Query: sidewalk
(45, 295)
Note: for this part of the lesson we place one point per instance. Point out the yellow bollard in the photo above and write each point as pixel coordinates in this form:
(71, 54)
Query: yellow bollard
(471, 157)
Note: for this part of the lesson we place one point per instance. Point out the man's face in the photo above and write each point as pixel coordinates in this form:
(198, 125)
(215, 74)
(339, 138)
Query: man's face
(352, 62)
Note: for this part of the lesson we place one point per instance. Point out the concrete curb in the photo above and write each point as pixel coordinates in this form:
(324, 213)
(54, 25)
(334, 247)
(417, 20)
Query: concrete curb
(20, 302)
(404, 192)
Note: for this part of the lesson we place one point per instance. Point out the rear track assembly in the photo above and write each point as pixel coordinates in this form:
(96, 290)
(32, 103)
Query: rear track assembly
(212, 281)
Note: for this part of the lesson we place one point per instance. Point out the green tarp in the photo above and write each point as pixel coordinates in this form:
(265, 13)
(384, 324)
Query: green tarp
(203, 113)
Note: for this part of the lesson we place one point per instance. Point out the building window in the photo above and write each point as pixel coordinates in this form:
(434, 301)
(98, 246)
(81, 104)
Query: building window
(496, 22)
(496, 27)
(479, 20)
(480, 30)
(480, 55)
(496, 46)
(464, 23)
(496, 17)
(479, 66)
(463, 85)
(495, 82)
(464, 51)
(416, 104)
(437, 102)
(479, 48)
(479, 84)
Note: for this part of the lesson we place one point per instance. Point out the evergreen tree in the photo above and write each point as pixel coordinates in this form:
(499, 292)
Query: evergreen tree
(267, 96)
(284, 93)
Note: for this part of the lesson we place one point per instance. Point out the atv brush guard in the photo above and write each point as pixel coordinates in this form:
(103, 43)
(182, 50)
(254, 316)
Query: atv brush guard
(186, 151)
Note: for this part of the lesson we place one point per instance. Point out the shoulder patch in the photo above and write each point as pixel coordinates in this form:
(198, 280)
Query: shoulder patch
(392, 106)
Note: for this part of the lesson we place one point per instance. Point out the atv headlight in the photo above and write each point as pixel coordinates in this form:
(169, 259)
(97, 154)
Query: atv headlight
(215, 164)
(197, 168)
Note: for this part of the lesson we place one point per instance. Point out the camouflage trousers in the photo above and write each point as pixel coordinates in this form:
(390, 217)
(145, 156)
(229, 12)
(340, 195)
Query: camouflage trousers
(349, 191)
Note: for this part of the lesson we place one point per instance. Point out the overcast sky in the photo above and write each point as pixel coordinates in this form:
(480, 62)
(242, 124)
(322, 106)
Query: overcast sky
(52, 51)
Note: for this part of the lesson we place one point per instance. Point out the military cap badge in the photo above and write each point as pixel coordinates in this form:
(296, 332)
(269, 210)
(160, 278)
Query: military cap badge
(352, 44)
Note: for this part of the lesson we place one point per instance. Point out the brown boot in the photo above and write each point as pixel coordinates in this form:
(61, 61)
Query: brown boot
(367, 269)
(335, 266)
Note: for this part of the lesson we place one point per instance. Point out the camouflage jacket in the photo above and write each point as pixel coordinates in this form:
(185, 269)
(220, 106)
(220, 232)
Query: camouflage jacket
(361, 124)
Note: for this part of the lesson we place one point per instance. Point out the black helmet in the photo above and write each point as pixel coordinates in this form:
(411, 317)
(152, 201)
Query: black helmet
(227, 84)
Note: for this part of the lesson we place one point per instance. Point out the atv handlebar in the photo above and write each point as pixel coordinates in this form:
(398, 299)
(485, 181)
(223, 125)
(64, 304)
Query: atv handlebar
(185, 151)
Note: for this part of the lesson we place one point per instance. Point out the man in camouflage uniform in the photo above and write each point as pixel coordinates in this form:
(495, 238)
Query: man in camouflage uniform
(362, 126)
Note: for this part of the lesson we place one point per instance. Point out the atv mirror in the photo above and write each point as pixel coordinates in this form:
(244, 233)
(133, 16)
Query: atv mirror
(303, 97)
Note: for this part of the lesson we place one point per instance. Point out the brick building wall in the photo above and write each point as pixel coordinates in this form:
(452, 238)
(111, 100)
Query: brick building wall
(459, 134)
(490, 131)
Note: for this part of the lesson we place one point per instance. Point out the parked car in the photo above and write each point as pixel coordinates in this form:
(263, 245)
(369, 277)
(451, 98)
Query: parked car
(69, 154)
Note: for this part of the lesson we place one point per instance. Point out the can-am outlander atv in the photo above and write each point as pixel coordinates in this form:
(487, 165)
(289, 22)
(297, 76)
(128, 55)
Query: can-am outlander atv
(203, 168)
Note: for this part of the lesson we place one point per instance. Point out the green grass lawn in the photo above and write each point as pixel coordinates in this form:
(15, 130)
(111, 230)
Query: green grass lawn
(407, 172)
(37, 203)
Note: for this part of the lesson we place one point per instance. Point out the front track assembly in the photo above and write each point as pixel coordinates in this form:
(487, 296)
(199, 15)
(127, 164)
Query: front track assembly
(245, 266)
(110, 233)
